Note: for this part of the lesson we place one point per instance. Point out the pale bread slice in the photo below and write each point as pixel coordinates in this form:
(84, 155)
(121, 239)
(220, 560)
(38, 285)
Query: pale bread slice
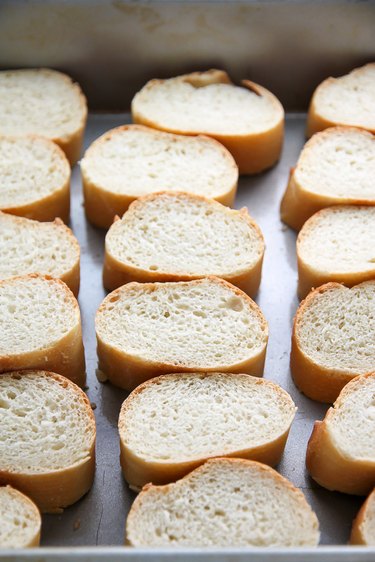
(336, 244)
(363, 529)
(34, 178)
(48, 431)
(347, 100)
(223, 503)
(40, 327)
(171, 424)
(132, 161)
(248, 120)
(28, 246)
(180, 237)
(341, 450)
(20, 520)
(333, 339)
(148, 329)
(335, 167)
(44, 102)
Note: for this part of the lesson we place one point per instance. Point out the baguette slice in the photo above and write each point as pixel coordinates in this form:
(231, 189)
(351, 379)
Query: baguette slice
(336, 167)
(20, 520)
(223, 503)
(336, 244)
(40, 327)
(148, 329)
(28, 246)
(363, 530)
(180, 237)
(247, 120)
(34, 178)
(347, 100)
(44, 102)
(131, 161)
(171, 424)
(48, 445)
(333, 339)
(341, 451)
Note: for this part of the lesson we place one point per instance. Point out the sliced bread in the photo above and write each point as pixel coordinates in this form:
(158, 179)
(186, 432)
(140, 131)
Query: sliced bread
(130, 161)
(40, 327)
(44, 102)
(336, 167)
(336, 244)
(333, 339)
(223, 503)
(347, 100)
(248, 120)
(47, 449)
(34, 178)
(28, 246)
(148, 329)
(341, 450)
(20, 520)
(179, 237)
(363, 530)
(171, 424)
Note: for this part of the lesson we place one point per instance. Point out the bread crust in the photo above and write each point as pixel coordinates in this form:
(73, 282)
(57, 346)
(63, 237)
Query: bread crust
(128, 371)
(357, 535)
(138, 471)
(65, 357)
(253, 153)
(329, 466)
(35, 539)
(117, 273)
(102, 205)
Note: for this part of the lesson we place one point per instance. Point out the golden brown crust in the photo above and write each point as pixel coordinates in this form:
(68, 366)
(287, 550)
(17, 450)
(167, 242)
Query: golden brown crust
(53, 491)
(127, 371)
(35, 539)
(357, 535)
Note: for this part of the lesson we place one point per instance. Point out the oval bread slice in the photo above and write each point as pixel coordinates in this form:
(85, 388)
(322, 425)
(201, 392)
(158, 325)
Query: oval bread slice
(20, 520)
(347, 100)
(131, 161)
(333, 339)
(247, 120)
(180, 237)
(44, 102)
(336, 244)
(148, 329)
(223, 503)
(335, 167)
(48, 445)
(34, 178)
(341, 450)
(40, 327)
(171, 424)
(363, 530)
(28, 246)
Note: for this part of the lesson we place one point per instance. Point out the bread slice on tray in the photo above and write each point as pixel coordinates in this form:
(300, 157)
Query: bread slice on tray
(28, 246)
(34, 178)
(40, 327)
(20, 520)
(341, 451)
(223, 503)
(148, 329)
(171, 424)
(336, 167)
(347, 100)
(44, 102)
(363, 530)
(333, 339)
(180, 237)
(336, 244)
(248, 120)
(131, 161)
(48, 445)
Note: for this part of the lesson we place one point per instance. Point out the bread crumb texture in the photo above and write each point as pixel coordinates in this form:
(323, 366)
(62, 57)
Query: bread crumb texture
(20, 520)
